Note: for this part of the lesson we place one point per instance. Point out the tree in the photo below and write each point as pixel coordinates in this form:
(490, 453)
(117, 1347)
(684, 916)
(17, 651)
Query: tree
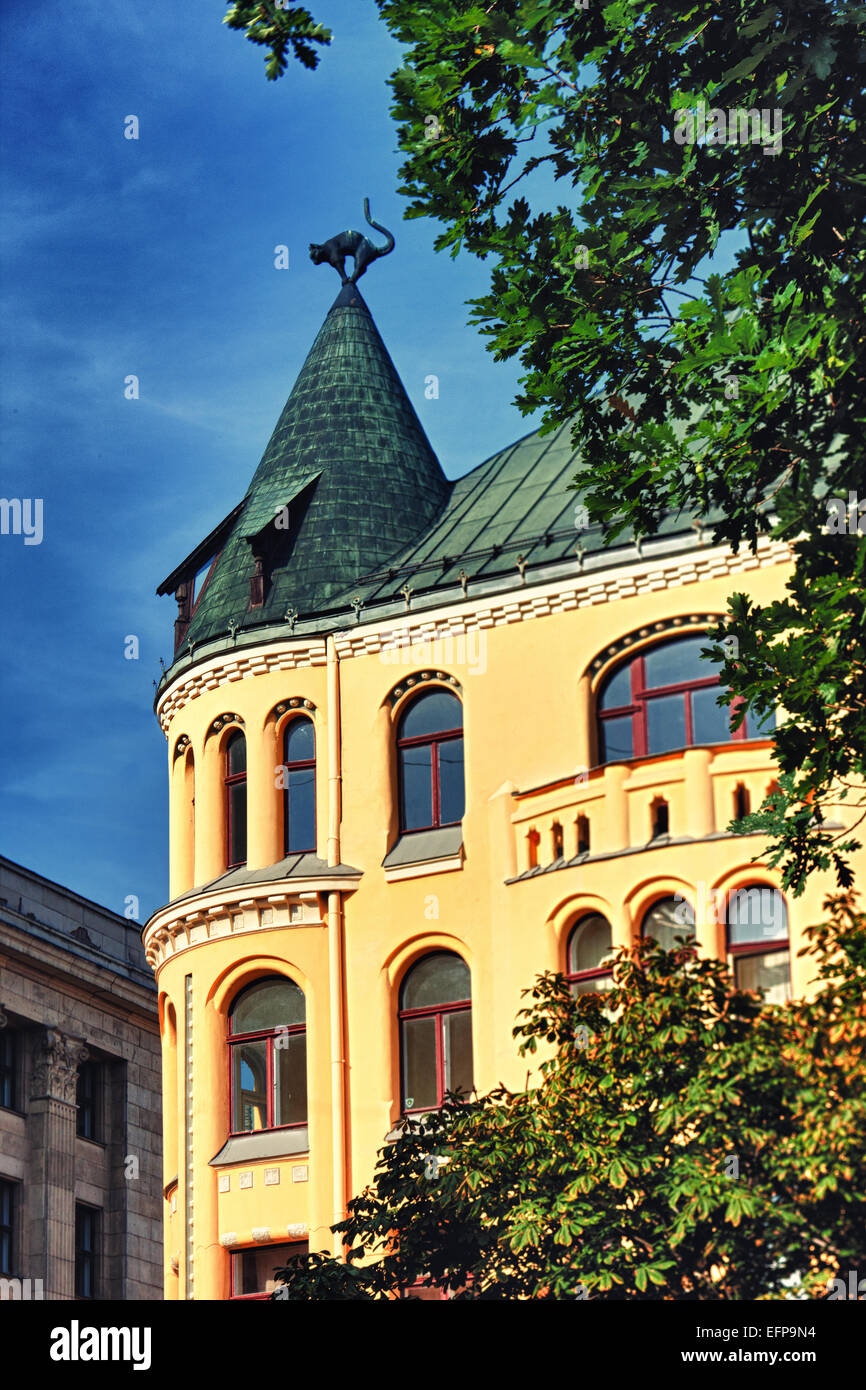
(279, 26)
(681, 1141)
(694, 303)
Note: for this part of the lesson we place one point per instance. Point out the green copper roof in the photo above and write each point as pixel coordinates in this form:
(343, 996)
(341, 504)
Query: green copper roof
(352, 465)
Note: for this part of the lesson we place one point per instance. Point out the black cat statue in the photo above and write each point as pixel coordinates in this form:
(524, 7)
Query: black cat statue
(354, 244)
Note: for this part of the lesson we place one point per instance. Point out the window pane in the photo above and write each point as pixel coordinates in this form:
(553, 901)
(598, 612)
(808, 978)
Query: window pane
(236, 754)
(7, 1199)
(432, 713)
(416, 787)
(674, 662)
(590, 944)
(617, 691)
(667, 919)
(616, 739)
(451, 799)
(419, 1063)
(250, 1085)
(238, 823)
(440, 978)
(711, 723)
(457, 1041)
(253, 1270)
(8, 1068)
(666, 723)
(290, 1079)
(756, 913)
(770, 972)
(760, 726)
(267, 1005)
(301, 807)
(300, 741)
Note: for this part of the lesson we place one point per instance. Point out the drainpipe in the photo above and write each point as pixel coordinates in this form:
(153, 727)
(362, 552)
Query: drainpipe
(335, 948)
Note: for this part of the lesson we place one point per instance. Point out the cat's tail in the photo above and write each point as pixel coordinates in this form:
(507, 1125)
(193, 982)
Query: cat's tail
(383, 250)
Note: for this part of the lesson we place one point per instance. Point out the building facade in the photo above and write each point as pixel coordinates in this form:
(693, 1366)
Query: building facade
(426, 739)
(80, 1099)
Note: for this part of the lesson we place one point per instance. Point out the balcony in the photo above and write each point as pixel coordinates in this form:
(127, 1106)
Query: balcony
(630, 806)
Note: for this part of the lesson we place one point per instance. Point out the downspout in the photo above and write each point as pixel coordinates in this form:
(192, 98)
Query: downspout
(335, 948)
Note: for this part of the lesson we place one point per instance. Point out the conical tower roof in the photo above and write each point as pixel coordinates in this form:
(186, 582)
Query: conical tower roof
(347, 481)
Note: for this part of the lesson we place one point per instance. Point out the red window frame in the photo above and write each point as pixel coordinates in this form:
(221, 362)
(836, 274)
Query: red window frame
(257, 1035)
(743, 949)
(600, 972)
(641, 694)
(232, 779)
(298, 765)
(302, 1249)
(437, 1012)
(419, 740)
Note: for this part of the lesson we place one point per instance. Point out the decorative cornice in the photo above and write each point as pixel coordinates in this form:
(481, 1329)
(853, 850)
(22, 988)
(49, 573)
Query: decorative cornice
(254, 908)
(584, 589)
(55, 1068)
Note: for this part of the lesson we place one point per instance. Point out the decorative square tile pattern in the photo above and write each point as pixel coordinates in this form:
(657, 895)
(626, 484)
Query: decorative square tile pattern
(300, 1172)
(272, 1177)
(245, 1180)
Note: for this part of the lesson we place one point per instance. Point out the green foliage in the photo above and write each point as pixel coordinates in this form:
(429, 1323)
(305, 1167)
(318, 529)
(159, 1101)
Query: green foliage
(278, 27)
(680, 1141)
(745, 383)
(695, 306)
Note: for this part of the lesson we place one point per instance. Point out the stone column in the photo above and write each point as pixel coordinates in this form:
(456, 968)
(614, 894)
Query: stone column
(52, 1162)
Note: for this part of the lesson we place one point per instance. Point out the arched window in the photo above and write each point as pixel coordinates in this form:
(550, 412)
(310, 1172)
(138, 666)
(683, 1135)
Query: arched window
(758, 945)
(430, 753)
(590, 948)
(435, 1031)
(299, 795)
(665, 698)
(667, 918)
(236, 799)
(268, 1052)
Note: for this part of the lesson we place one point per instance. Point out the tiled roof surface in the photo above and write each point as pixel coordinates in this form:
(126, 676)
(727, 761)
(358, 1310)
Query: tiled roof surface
(350, 460)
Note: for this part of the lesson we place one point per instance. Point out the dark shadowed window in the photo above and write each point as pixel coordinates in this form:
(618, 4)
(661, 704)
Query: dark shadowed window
(758, 945)
(236, 799)
(87, 1251)
(665, 698)
(7, 1226)
(430, 755)
(268, 1049)
(299, 795)
(667, 919)
(589, 955)
(8, 1069)
(88, 1098)
(253, 1270)
(435, 1031)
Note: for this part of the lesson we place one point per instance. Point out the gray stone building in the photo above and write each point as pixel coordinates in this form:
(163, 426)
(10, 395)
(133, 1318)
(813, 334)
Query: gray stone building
(80, 1113)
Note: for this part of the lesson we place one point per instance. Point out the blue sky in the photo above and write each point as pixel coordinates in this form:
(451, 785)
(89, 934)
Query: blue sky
(155, 257)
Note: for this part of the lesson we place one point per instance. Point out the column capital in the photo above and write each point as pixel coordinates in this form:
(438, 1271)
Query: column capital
(55, 1068)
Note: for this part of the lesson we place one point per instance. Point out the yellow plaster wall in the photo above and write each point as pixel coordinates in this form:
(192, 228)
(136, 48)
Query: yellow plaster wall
(527, 694)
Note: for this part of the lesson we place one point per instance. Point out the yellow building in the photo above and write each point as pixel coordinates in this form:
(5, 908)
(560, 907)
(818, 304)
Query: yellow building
(425, 740)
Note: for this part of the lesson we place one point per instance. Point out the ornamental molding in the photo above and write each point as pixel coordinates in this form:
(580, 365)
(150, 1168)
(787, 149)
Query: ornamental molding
(584, 589)
(296, 702)
(663, 627)
(55, 1067)
(184, 925)
(232, 666)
